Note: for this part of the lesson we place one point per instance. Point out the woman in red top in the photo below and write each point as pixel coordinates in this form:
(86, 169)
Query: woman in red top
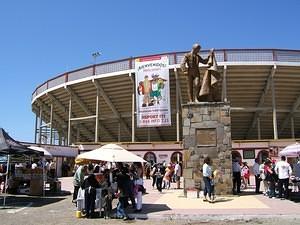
(268, 172)
(245, 173)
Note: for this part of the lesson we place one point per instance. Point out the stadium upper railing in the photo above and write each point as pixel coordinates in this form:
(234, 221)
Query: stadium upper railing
(222, 55)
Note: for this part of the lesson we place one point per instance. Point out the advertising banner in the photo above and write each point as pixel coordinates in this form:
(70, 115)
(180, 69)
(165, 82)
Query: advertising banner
(152, 91)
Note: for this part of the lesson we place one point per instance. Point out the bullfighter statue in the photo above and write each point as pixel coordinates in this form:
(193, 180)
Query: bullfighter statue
(206, 89)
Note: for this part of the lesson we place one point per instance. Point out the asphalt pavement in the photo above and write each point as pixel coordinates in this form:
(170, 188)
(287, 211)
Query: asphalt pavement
(169, 206)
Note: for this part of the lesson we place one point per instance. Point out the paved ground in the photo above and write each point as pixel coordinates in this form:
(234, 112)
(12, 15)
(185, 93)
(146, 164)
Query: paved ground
(169, 206)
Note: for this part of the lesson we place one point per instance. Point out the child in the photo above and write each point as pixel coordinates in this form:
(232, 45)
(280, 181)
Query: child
(214, 180)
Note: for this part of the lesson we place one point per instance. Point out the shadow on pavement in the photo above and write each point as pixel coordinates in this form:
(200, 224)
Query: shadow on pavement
(151, 208)
(61, 193)
(147, 208)
(220, 199)
(20, 201)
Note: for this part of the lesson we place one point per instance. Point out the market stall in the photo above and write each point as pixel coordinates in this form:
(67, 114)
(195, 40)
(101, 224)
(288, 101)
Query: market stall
(11, 148)
(110, 153)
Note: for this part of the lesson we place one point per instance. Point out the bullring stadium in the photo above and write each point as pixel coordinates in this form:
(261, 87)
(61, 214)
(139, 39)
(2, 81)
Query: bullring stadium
(97, 103)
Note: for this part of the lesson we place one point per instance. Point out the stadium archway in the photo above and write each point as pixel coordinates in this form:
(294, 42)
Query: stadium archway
(263, 155)
(236, 154)
(176, 157)
(150, 157)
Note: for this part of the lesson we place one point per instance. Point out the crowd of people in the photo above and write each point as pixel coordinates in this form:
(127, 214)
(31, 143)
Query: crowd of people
(163, 175)
(129, 187)
(274, 175)
(123, 182)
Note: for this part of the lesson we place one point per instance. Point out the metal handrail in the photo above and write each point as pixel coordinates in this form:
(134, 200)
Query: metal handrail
(222, 55)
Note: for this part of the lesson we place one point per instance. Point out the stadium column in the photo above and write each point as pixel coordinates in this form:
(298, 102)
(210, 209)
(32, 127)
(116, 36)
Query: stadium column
(69, 121)
(132, 109)
(51, 121)
(119, 132)
(35, 131)
(275, 131)
(224, 84)
(292, 127)
(97, 115)
(258, 129)
(40, 125)
(177, 104)
(78, 133)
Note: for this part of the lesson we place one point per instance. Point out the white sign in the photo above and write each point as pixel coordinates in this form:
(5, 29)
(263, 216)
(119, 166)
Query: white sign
(153, 91)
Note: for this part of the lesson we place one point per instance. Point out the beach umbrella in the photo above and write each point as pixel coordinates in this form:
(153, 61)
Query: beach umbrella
(292, 150)
(108, 153)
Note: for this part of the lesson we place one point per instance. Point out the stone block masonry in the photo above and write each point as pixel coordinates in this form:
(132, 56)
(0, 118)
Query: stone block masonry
(207, 132)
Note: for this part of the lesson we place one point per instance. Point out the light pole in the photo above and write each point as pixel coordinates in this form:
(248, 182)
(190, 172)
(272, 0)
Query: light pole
(95, 55)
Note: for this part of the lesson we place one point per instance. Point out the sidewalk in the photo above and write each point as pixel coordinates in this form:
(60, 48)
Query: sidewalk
(171, 204)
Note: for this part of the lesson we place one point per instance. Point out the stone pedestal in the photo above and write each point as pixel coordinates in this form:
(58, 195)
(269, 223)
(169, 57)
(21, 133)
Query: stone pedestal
(207, 132)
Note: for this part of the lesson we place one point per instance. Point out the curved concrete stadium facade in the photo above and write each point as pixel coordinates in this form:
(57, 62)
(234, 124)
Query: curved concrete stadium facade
(97, 103)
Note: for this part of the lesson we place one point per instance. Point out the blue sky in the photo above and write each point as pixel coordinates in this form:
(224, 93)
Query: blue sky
(41, 39)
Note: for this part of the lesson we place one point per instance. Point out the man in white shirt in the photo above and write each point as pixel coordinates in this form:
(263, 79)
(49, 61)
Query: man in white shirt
(284, 171)
(177, 172)
(256, 173)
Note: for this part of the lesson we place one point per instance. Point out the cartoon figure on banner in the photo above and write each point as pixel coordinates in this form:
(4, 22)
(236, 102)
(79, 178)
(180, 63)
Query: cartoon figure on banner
(144, 88)
(151, 90)
(158, 84)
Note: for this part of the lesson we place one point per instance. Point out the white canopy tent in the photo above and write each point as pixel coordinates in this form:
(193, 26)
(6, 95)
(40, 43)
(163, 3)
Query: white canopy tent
(47, 154)
(292, 150)
(109, 153)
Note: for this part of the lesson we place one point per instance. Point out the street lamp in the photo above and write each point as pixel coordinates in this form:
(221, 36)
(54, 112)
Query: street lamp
(95, 55)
